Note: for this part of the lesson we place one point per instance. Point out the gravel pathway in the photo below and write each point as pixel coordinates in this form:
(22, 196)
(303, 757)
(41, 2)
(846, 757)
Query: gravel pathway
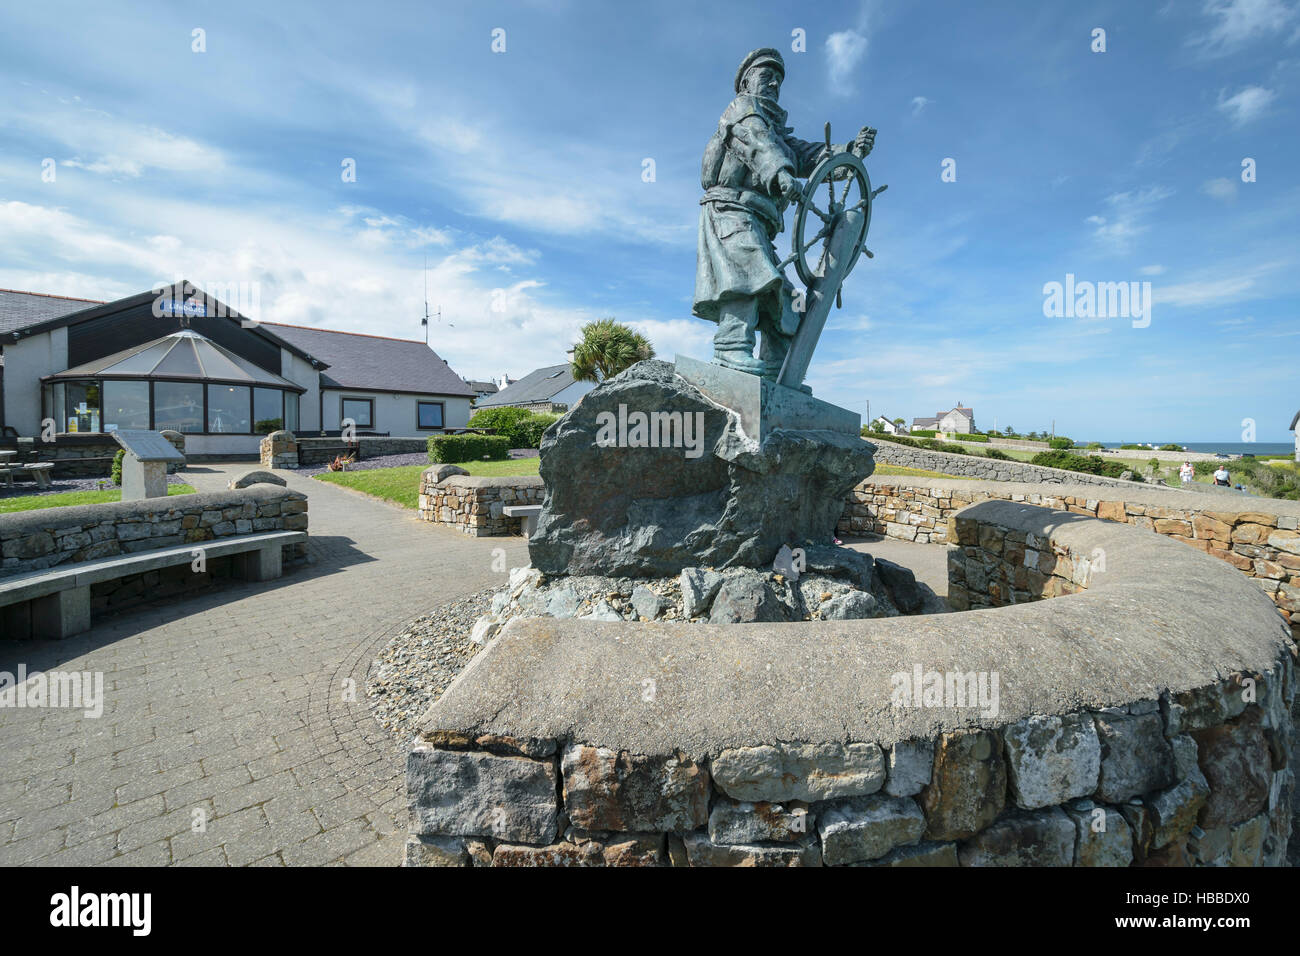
(370, 464)
(59, 486)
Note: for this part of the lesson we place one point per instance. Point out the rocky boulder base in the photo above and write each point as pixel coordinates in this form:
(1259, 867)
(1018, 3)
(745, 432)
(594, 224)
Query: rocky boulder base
(690, 489)
(838, 584)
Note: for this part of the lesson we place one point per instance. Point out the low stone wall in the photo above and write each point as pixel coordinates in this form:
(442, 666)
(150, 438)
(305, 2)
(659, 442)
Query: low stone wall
(74, 456)
(278, 450)
(1260, 537)
(1156, 738)
(36, 540)
(989, 469)
(474, 505)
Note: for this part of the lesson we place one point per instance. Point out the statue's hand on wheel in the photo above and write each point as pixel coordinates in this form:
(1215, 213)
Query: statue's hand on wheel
(864, 142)
(789, 186)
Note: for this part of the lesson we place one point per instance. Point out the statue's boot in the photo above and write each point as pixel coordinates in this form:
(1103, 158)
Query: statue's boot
(733, 343)
(772, 354)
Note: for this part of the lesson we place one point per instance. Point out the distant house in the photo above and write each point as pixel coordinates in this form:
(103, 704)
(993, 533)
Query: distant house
(888, 427)
(1295, 427)
(550, 389)
(482, 390)
(959, 420)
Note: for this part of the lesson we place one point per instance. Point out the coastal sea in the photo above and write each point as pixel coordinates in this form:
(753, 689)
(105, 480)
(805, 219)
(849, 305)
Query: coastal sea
(1224, 447)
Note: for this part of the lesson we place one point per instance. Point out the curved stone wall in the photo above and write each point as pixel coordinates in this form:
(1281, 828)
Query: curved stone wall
(1143, 719)
(1260, 537)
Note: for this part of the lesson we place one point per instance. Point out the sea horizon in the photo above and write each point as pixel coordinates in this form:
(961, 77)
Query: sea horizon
(1219, 447)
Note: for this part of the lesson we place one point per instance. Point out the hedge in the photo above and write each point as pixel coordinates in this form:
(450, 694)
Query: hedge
(451, 449)
(117, 466)
(923, 433)
(523, 428)
(1061, 443)
(962, 437)
(1089, 464)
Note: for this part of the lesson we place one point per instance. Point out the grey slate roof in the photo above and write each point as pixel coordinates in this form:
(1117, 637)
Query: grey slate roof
(21, 309)
(1295, 421)
(373, 362)
(537, 386)
(487, 388)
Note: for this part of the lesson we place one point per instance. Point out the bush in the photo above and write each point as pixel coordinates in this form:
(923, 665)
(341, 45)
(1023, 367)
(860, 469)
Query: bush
(923, 433)
(1061, 443)
(268, 425)
(1095, 444)
(507, 421)
(1090, 464)
(1137, 447)
(450, 449)
(1171, 447)
(982, 438)
(998, 454)
(117, 466)
(536, 427)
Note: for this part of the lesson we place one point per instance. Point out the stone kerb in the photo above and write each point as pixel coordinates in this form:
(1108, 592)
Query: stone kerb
(475, 505)
(1154, 702)
(1259, 537)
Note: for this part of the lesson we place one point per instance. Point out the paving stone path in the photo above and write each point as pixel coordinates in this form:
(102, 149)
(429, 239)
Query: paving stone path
(235, 728)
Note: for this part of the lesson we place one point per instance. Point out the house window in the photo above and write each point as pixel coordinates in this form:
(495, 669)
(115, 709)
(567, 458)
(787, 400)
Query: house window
(82, 407)
(428, 414)
(291, 411)
(228, 410)
(360, 410)
(268, 413)
(178, 406)
(126, 405)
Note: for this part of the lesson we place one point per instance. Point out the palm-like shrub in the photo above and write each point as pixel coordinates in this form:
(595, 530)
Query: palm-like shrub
(607, 348)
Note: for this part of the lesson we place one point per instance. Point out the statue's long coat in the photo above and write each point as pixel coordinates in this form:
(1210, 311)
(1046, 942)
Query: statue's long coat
(742, 208)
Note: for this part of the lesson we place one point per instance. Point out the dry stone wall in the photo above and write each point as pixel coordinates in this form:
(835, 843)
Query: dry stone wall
(554, 750)
(474, 505)
(1258, 537)
(988, 469)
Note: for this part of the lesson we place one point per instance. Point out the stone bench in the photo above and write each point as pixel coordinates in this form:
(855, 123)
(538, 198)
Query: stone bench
(60, 596)
(40, 472)
(527, 515)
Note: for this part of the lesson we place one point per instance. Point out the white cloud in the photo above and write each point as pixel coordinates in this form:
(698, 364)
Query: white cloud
(1237, 22)
(1128, 211)
(1153, 270)
(1222, 188)
(1206, 292)
(844, 51)
(919, 103)
(1246, 105)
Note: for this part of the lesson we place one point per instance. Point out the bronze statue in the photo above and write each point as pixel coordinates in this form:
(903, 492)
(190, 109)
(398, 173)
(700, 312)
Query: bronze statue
(749, 174)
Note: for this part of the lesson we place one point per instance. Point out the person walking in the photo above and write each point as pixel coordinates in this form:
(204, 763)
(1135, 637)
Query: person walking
(1186, 472)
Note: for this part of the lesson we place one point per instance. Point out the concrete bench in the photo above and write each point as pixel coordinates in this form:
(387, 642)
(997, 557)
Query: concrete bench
(527, 515)
(60, 596)
(40, 472)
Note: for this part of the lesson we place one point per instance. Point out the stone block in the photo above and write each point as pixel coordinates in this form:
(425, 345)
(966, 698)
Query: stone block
(469, 793)
(1135, 756)
(909, 767)
(1042, 838)
(1103, 837)
(1237, 764)
(967, 789)
(1052, 759)
(866, 828)
(701, 851)
(800, 771)
(616, 790)
(918, 854)
(739, 822)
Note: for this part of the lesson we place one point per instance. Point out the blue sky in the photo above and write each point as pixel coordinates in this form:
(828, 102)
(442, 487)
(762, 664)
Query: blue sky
(519, 175)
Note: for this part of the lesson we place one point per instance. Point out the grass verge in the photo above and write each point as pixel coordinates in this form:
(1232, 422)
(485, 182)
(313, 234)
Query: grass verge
(402, 485)
(69, 498)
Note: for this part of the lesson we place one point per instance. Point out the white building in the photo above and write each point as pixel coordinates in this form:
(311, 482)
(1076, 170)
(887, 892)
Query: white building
(1295, 427)
(888, 426)
(957, 421)
(180, 359)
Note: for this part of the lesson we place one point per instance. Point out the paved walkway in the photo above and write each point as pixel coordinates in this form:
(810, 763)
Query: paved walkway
(235, 728)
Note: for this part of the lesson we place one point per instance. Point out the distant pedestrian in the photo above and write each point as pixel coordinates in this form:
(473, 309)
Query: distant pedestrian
(1221, 477)
(1186, 472)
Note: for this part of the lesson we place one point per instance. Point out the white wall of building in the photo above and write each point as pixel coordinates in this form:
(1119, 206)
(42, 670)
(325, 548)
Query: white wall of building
(299, 371)
(25, 362)
(395, 413)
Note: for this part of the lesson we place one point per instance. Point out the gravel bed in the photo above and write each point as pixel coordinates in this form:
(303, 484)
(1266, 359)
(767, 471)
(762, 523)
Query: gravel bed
(370, 464)
(413, 669)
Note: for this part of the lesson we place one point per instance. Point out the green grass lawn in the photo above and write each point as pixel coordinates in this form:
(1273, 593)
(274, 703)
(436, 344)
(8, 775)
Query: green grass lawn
(40, 502)
(402, 485)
